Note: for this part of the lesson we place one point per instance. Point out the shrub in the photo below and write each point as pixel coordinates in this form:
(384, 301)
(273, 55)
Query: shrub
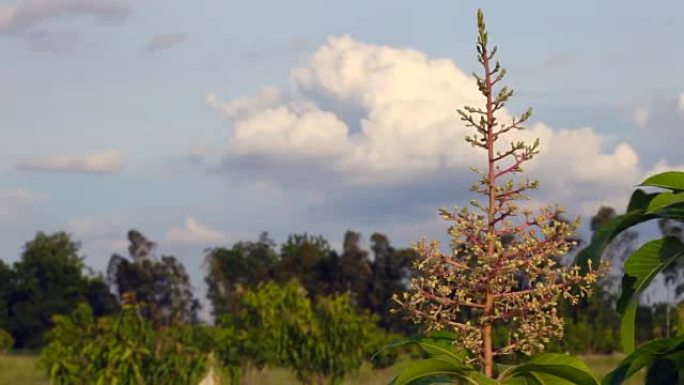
(6, 341)
(125, 350)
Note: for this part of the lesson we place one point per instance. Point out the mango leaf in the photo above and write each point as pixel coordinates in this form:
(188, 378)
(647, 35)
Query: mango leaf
(640, 269)
(673, 180)
(636, 214)
(442, 343)
(436, 344)
(665, 199)
(435, 368)
(550, 369)
(663, 357)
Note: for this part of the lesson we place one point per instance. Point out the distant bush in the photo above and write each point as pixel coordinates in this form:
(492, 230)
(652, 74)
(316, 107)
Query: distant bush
(321, 342)
(6, 341)
(125, 350)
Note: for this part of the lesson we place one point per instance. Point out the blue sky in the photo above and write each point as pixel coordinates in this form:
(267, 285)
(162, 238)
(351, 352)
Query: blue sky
(152, 114)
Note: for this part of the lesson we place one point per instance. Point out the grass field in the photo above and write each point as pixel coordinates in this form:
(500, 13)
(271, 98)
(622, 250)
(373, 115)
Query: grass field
(22, 370)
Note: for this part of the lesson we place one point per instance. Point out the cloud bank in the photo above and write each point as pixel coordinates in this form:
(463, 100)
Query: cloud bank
(374, 115)
(106, 162)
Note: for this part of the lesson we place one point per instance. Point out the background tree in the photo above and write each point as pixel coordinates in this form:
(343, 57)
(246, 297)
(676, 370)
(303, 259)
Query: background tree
(5, 290)
(391, 272)
(50, 278)
(356, 269)
(303, 257)
(161, 285)
(232, 271)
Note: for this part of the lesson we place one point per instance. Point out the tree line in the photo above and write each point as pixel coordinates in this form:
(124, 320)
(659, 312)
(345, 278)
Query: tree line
(50, 278)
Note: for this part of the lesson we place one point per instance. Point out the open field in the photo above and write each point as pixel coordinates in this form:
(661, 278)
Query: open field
(21, 370)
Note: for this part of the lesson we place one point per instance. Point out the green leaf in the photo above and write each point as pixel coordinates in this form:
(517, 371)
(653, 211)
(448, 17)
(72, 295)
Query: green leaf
(437, 344)
(665, 199)
(673, 180)
(636, 214)
(430, 367)
(656, 355)
(640, 269)
(442, 344)
(603, 236)
(550, 369)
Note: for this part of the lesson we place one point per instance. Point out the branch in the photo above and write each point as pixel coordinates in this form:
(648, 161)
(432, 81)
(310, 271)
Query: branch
(450, 261)
(514, 167)
(529, 291)
(505, 154)
(449, 301)
(503, 196)
(502, 216)
(515, 229)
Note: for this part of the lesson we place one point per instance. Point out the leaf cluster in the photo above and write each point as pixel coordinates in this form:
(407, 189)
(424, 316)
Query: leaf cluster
(124, 349)
(663, 357)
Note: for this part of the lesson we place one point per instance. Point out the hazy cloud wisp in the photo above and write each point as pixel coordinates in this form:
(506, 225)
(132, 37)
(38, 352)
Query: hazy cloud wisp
(106, 162)
(28, 14)
(164, 41)
(195, 233)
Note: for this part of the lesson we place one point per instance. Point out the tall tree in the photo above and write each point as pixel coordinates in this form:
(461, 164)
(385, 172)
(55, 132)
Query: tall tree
(356, 270)
(391, 272)
(5, 290)
(231, 271)
(303, 258)
(50, 278)
(161, 285)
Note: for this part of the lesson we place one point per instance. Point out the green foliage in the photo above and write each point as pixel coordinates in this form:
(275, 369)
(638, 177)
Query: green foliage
(124, 350)
(370, 282)
(448, 365)
(160, 285)
(662, 357)
(6, 341)
(640, 269)
(303, 257)
(343, 342)
(5, 291)
(48, 279)
(232, 271)
(321, 341)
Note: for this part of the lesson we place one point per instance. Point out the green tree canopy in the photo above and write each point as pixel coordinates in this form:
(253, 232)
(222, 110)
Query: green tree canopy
(50, 278)
(161, 285)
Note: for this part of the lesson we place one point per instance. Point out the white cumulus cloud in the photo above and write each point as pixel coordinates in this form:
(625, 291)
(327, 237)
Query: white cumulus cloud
(105, 162)
(379, 115)
(195, 233)
(680, 104)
